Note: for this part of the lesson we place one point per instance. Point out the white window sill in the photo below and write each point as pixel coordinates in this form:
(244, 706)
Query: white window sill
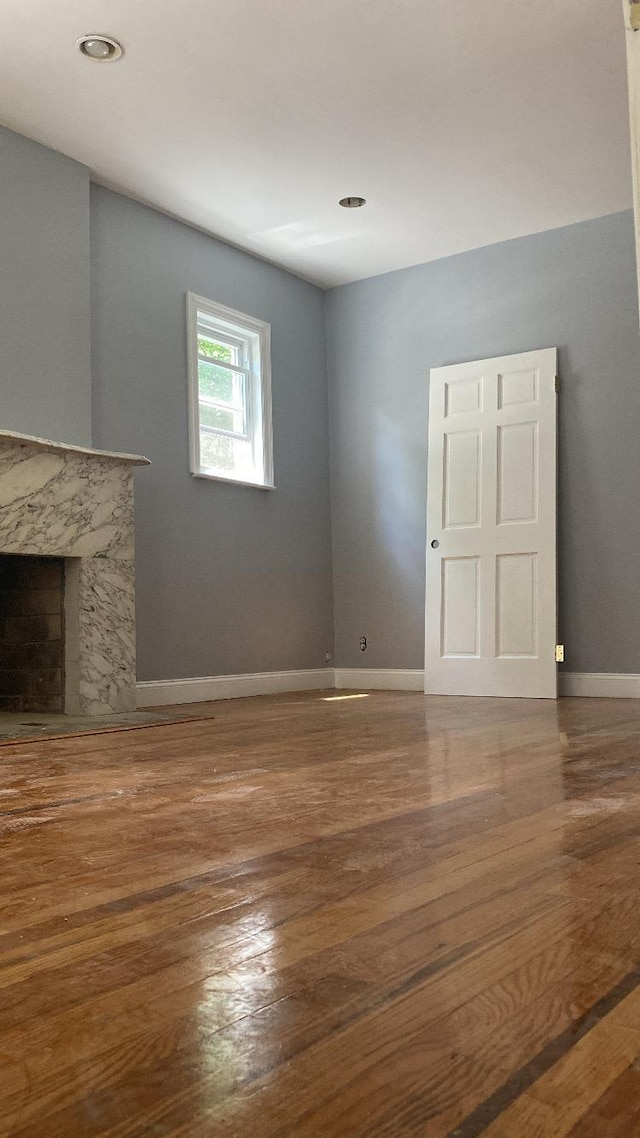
(233, 481)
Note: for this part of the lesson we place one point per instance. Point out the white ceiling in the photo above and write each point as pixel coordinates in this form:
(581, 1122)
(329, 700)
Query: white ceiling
(463, 122)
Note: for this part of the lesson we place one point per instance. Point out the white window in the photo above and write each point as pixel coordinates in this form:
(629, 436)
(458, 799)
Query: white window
(229, 394)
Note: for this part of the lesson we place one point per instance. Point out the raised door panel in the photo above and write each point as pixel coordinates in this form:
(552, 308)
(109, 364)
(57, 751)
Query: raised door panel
(516, 388)
(462, 397)
(517, 473)
(516, 605)
(461, 479)
(460, 634)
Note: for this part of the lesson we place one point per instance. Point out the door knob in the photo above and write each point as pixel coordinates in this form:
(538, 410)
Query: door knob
(435, 543)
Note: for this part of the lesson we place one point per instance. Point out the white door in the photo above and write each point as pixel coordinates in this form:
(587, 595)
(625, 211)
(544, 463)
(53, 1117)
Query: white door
(631, 10)
(491, 528)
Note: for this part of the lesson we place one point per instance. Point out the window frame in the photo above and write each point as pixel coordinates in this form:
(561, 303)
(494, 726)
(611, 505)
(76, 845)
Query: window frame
(256, 366)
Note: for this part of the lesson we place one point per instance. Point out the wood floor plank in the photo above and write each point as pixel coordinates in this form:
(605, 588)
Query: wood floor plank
(617, 1113)
(556, 1102)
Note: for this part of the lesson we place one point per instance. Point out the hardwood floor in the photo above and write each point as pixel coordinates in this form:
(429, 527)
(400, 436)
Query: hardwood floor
(385, 917)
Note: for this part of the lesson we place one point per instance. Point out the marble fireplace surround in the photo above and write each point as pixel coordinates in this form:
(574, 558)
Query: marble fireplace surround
(73, 502)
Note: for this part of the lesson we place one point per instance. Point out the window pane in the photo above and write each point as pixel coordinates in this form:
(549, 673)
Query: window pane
(218, 383)
(216, 452)
(220, 417)
(217, 349)
(224, 455)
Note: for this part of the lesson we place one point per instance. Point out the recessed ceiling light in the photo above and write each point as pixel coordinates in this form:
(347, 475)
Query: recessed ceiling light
(352, 203)
(104, 49)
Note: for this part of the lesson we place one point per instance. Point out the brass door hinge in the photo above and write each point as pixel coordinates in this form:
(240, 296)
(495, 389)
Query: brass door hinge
(559, 653)
(557, 384)
(634, 14)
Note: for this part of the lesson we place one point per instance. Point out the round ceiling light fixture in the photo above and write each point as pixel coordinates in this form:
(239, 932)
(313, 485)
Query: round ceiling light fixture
(104, 49)
(352, 202)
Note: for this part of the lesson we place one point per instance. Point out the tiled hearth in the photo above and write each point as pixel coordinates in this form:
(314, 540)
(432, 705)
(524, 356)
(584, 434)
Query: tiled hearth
(70, 508)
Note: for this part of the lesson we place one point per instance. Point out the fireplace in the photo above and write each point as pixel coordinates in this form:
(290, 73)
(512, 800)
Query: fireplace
(31, 633)
(67, 616)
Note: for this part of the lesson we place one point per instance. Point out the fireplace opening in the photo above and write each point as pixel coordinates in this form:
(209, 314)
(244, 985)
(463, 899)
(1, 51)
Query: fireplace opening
(31, 633)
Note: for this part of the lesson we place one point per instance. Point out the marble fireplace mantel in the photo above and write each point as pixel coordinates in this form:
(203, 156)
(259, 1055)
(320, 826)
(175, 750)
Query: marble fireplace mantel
(58, 500)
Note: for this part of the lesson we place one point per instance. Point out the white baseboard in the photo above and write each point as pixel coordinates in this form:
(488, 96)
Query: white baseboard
(603, 685)
(157, 693)
(380, 679)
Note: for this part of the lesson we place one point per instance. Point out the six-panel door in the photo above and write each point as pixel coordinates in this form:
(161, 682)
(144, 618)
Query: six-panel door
(491, 528)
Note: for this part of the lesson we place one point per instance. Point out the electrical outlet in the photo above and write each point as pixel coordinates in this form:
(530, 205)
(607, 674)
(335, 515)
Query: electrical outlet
(363, 644)
(327, 657)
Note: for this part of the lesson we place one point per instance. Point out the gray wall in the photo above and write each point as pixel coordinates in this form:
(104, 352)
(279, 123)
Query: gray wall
(574, 288)
(230, 579)
(45, 381)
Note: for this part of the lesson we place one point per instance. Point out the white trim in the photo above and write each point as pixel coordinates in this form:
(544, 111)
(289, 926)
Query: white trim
(158, 693)
(604, 685)
(227, 315)
(236, 481)
(380, 679)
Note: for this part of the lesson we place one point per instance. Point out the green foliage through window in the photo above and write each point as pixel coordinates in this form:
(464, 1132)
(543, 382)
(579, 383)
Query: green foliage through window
(215, 382)
(216, 350)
